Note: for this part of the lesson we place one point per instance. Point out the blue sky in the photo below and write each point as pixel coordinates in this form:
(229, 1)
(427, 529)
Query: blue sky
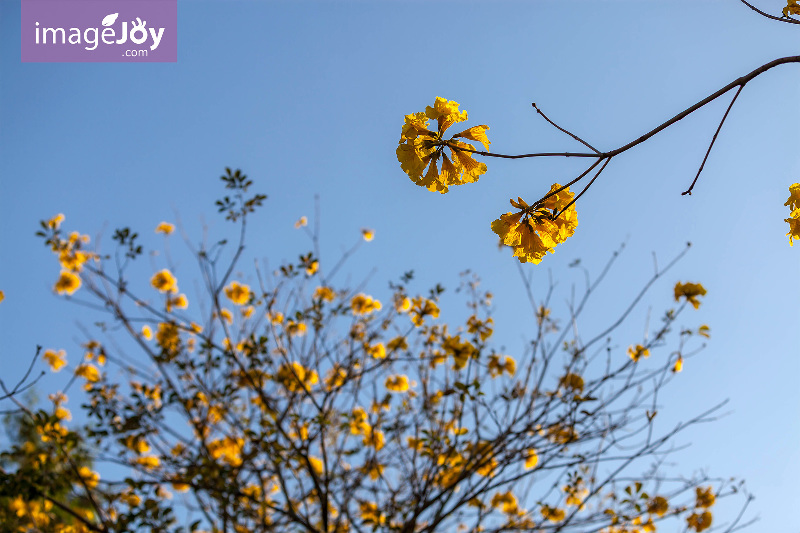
(308, 99)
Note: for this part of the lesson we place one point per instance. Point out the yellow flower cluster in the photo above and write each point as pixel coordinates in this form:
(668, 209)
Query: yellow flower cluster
(420, 148)
(397, 383)
(690, 291)
(496, 368)
(296, 377)
(238, 293)
(364, 305)
(535, 230)
(792, 8)
(637, 352)
(794, 199)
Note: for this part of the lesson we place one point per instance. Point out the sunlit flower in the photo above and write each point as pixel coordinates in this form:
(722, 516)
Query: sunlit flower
(164, 281)
(302, 221)
(553, 514)
(658, 506)
(420, 148)
(531, 459)
(324, 293)
(699, 521)
(88, 477)
(67, 283)
(165, 227)
(56, 360)
(678, 366)
(88, 371)
(572, 381)
(705, 497)
(637, 352)
(397, 383)
(368, 234)
(312, 268)
(55, 222)
(363, 304)
(792, 8)
(690, 291)
(238, 293)
(794, 226)
(536, 230)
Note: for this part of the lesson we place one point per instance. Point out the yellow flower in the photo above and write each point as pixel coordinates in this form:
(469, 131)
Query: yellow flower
(56, 360)
(238, 293)
(2, 296)
(167, 337)
(275, 317)
(67, 283)
(704, 331)
(89, 478)
(363, 304)
(302, 221)
(89, 372)
(374, 438)
(368, 234)
(164, 281)
(533, 232)
(295, 329)
(678, 366)
(532, 459)
(312, 268)
(572, 381)
(658, 506)
(690, 291)
(316, 465)
(496, 368)
(296, 377)
(638, 352)
(705, 497)
(378, 351)
(397, 383)
(147, 333)
(56, 221)
(324, 293)
(165, 227)
(552, 514)
(179, 302)
(792, 8)
(147, 461)
(370, 514)
(506, 501)
(421, 148)
(794, 226)
(699, 521)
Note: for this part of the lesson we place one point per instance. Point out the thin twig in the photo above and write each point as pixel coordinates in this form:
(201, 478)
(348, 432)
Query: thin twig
(713, 140)
(559, 128)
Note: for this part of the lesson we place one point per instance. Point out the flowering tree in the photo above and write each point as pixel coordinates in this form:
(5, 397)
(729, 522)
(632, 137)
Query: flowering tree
(286, 402)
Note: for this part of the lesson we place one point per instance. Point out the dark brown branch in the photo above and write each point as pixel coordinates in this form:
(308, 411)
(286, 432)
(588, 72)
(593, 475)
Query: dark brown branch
(559, 128)
(713, 140)
(788, 20)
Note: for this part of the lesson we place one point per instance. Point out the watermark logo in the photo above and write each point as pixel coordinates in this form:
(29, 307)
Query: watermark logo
(99, 31)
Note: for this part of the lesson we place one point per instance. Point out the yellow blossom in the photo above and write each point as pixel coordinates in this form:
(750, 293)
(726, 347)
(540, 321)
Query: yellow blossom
(67, 283)
(316, 465)
(420, 308)
(506, 502)
(552, 514)
(178, 302)
(89, 477)
(238, 293)
(368, 234)
(55, 222)
(302, 221)
(531, 459)
(496, 368)
(637, 352)
(658, 506)
(794, 226)
(678, 366)
(699, 521)
(703, 331)
(374, 438)
(295, 329)
(275, 317)
(362, 304)
(792, 8)
(296, 377)
(89, 372)
(164, 281)
(378, 351)
(312, 268)
(165, 227)
(147, 461)
(705, 497)
(56, 360)
(147, 333)
(2, 296)
(421, 148)
(572, 381)
(397, 383)
(370, 514)
(533, 231)
(324, 293)
(690, 291)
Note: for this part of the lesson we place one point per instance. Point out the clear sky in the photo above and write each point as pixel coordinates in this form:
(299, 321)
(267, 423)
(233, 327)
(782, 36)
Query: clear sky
(308, 98)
